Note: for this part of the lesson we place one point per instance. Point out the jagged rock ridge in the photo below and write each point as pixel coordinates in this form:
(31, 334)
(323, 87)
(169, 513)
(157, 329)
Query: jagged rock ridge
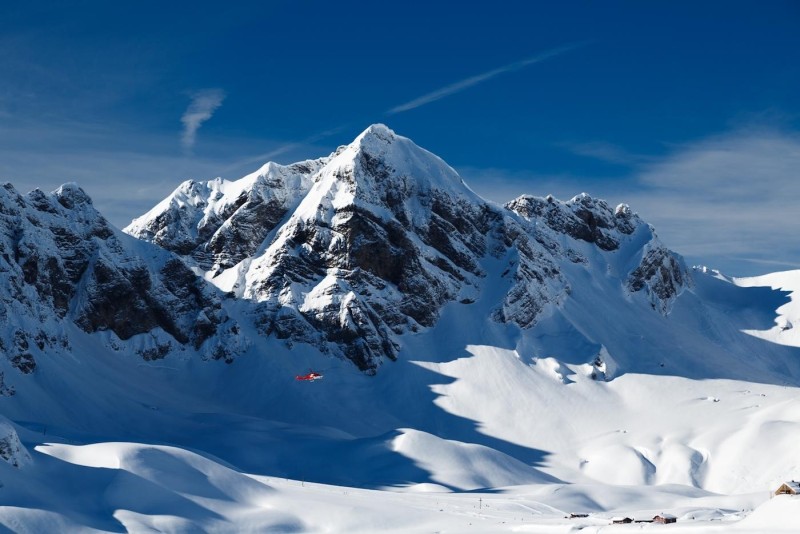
(351, 251)
(348, 253)
(62, 263)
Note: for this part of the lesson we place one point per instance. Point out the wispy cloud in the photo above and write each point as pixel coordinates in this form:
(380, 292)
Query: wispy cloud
(606, 152)
(285, 148)
(502, 185)
(480, 78)
(734, 194)
(203, 105)
(728, 201)
(791, 265)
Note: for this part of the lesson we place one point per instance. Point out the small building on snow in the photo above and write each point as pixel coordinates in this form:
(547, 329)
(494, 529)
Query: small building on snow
(789, 488)
(621, 520)
(665, 519)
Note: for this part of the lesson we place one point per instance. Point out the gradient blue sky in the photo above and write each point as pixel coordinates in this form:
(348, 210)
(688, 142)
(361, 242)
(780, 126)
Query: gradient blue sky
(688, 111)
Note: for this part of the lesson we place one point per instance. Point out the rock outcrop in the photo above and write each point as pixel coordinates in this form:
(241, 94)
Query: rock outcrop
(62, 263)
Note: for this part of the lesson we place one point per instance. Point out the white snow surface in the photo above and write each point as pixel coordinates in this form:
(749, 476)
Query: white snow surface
(458, 437)
(605, 407)
(786, 330)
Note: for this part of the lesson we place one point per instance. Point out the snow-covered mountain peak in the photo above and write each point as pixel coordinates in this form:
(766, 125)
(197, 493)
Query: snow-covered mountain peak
(64, 266)
(375, 134)
(386, 234)
(350, 251)
(582, 217)
(218, 223)
(379, 159)
(71, 195)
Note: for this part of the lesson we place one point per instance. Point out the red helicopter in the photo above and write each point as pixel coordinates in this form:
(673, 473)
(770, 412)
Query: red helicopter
(310, 377)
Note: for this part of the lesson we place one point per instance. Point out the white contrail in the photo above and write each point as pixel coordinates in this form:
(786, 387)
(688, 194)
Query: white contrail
(201, 108)
(286, 148)
(480, 78)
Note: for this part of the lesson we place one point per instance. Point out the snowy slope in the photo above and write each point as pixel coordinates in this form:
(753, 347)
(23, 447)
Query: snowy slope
(785, 331)
(556, 349)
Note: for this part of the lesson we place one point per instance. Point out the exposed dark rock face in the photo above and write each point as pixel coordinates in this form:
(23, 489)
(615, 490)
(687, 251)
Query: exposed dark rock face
(5, 390)
(131, 301)
(216, 225)
(582, 218)
(20, 357)
(661, 275)
(659, 272)
(12, 451)
(60, 260)
(536, 279)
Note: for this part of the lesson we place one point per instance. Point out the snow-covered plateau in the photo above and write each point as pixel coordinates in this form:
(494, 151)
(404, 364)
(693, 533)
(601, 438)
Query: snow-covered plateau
(484, 368)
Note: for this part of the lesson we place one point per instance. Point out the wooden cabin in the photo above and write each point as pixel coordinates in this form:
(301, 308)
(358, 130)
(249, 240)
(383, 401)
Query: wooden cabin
(789, 488)
(665, 519)
(621, 520)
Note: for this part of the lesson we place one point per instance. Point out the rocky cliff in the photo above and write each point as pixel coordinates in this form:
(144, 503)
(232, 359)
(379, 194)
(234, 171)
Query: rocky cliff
(62, 264)
(350, 251)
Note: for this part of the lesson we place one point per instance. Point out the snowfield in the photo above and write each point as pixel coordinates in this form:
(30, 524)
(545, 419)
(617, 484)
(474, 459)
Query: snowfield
(561, 367)
(113, 487)
(529, 442)
(784, 331)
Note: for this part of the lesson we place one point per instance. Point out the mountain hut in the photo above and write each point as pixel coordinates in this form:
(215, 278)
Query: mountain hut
(789, 488)
(665, 519)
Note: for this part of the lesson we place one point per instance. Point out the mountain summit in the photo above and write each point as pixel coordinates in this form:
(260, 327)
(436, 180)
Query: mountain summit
(350, 251)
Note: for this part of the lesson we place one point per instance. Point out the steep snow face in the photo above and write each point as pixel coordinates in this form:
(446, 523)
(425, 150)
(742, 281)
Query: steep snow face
(63, 264)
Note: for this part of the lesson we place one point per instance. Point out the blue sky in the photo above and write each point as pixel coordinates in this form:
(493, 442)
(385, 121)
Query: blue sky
(687, 111)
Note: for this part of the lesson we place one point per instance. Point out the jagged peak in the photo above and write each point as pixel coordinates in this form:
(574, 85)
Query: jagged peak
(528, 205)
(8, 186)
(377, 132)
(200, 194)
(581, 197)
(623, 210)
(378, 157)
(71, 195)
